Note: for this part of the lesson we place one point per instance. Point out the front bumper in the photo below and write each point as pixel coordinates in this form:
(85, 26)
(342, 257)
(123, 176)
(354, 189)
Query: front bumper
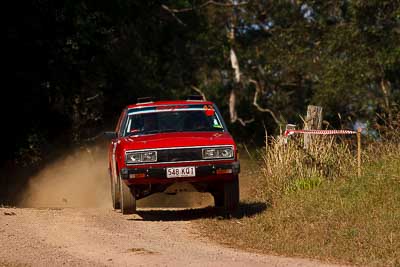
(159, 174)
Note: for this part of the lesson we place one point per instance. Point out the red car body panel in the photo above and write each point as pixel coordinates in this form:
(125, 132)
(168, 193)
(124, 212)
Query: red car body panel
(120, 145)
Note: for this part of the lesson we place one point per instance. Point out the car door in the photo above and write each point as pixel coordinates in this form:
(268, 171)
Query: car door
(113, 147)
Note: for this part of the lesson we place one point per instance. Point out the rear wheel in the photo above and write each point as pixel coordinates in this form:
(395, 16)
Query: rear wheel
(231, 195)
(115, 194)
(128, 199)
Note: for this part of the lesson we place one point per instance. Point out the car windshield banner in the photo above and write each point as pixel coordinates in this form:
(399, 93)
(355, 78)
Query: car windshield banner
(208, 109)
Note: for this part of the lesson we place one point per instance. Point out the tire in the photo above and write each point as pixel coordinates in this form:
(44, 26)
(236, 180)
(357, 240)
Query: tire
(218, 199)
(231, 195)
(115, 194)
(128, 199)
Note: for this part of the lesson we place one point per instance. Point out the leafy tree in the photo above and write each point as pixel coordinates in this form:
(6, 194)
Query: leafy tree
(73, 64)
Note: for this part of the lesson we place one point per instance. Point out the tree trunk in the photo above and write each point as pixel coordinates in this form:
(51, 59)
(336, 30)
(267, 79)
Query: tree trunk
(232, 106)
(386, 88)
(235, 66)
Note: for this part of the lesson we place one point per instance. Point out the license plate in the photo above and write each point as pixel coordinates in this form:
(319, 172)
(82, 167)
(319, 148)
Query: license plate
(181, 172)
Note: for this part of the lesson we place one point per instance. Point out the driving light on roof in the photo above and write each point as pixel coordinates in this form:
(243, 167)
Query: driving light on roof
(195, 97)
(146, 99)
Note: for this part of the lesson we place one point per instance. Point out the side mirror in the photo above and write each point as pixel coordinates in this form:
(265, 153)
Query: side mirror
(110, 135)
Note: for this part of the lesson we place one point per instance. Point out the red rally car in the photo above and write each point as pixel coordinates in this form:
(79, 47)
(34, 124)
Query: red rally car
(157, 144)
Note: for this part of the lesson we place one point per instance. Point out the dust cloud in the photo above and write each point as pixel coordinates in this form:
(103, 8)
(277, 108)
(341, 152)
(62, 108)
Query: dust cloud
(188, 198)
(79, 179)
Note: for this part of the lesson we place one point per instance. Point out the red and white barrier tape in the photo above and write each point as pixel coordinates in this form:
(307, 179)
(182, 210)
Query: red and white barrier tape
(323, 132)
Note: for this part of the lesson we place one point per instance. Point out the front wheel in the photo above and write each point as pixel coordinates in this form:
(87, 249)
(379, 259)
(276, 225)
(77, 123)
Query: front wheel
(218, 199)
(128, 198)
(231, 195)
(115, 193)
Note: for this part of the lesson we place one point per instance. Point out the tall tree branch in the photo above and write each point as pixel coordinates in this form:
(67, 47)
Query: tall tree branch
(215, 3)
(173, 14)
(255, 101)
(198, 90)
(244, 122)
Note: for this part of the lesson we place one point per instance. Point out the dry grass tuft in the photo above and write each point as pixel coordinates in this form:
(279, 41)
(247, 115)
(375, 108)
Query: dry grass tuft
(320, 208)
(287, 166)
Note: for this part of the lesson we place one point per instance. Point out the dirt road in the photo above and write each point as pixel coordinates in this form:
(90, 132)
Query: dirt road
(102, 237)
(81, 229)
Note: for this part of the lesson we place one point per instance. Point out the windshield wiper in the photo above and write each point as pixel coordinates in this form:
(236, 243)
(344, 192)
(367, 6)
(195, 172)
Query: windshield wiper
(208, 129)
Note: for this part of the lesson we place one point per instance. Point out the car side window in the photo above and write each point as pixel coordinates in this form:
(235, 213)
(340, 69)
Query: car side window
(121, 123)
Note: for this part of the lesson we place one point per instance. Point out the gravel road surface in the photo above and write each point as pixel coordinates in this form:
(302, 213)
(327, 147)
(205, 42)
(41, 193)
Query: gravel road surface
(102, 237)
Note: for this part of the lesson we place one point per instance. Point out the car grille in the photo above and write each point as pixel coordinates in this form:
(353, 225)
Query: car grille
(179, 154)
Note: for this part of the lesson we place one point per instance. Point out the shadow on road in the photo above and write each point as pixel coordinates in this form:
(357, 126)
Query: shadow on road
(245, 210)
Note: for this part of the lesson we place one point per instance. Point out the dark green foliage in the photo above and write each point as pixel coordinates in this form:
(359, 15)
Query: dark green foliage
(72, 65)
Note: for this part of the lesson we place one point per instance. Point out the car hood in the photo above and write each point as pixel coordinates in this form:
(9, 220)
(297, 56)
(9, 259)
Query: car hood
(179, 139)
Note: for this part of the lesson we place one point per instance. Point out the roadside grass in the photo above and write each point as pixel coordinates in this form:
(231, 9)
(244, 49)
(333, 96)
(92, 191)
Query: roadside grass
(326, 214)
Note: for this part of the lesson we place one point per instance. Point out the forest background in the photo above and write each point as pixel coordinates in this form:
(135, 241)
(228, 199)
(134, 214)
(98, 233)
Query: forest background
(71, 66)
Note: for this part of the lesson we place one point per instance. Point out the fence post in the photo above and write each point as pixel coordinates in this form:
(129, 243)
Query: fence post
(359, 152)
(313, 122)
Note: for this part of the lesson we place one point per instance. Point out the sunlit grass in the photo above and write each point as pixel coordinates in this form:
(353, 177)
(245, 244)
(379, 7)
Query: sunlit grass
(331, 215)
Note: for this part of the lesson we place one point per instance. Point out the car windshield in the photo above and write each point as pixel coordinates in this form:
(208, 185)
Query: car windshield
(184, 120)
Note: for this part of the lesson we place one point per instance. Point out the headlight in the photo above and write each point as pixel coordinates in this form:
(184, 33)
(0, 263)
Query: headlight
(139, 157)
(218, 153)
